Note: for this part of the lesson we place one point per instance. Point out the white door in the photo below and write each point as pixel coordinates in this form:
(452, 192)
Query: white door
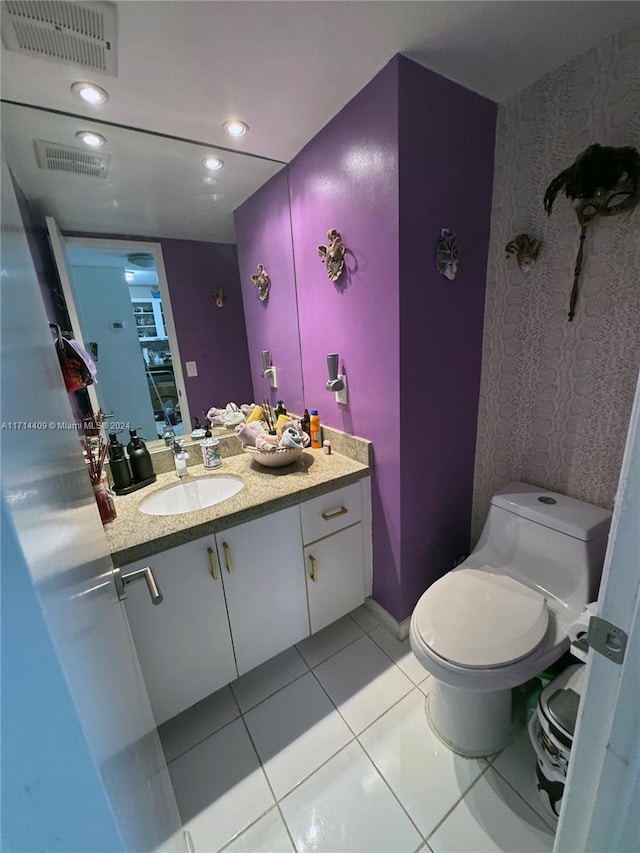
(184, 645)
(335, 576)
(601, 807)
(82, 763)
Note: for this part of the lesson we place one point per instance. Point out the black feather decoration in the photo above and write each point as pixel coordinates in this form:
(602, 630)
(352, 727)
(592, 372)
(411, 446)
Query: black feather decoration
(598, 167)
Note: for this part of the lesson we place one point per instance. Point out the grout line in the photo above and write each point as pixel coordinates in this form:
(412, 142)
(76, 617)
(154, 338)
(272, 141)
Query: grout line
(286, 826)
(271, 695)
(390, 708)
(319, 767)
(542, 817)
(246, 828)
(255, 749)
(202, 740)
(457, 802)
(333, 654)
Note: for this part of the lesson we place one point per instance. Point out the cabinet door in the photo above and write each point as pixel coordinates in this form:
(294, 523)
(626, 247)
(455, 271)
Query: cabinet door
(334, 569)
(262, 565)
(184, 643)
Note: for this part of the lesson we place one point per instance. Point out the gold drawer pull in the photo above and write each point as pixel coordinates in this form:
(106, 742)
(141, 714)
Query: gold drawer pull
(227, 556)
(314, 568)
(213, 563)
(329, 515)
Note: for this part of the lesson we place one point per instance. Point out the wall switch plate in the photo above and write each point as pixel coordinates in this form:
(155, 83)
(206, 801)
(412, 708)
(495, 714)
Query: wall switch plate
(342, 396)
(192, 368)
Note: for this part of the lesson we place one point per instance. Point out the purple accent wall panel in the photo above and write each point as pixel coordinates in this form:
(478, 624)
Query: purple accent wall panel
(215, 338)
(347, 178)
(263, 234)
(446, 144)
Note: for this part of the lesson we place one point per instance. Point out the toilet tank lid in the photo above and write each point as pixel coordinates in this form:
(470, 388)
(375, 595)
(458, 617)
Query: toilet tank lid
(551, 509)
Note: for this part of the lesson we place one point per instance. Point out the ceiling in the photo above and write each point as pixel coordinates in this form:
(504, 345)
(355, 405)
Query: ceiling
(285, 68)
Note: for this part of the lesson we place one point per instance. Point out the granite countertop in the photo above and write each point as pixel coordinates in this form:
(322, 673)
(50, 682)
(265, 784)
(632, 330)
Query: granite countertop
(135, 536)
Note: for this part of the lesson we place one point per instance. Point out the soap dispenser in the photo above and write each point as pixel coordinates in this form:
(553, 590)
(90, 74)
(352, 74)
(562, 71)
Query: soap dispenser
(120, 472)
(139, 458)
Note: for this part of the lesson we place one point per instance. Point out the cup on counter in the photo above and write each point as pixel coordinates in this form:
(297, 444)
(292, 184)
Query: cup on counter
(211, 453)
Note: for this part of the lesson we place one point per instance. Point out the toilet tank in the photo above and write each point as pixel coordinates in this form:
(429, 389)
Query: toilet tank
(546, 540)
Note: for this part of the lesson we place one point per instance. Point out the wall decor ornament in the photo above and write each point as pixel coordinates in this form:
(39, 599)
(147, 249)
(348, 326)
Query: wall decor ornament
(447, 254)
(604, 181)
(220, 296)
(333, 254)
(526, 249)
(262, 281)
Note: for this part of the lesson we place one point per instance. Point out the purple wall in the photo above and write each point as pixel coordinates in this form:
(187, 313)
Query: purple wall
(263, 234)
(446, 172)
(214, 337)
(347, 178)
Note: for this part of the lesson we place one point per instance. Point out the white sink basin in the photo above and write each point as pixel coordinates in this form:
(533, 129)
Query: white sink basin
(192, 495)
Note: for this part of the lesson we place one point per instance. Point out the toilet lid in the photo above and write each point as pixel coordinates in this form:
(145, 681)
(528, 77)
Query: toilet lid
(478, 618)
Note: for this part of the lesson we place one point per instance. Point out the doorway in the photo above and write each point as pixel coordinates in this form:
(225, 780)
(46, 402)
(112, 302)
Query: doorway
(123, 305)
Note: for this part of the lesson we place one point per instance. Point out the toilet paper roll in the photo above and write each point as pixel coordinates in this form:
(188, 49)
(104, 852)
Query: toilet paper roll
(578, 629)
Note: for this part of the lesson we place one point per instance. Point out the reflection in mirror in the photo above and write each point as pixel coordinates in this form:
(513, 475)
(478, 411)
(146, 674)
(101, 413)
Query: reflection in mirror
(154, 195)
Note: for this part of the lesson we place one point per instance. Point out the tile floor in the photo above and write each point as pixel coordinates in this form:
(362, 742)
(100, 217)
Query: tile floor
(327, 747)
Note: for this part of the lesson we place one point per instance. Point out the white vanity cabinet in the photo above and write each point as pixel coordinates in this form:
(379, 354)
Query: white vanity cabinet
(183, 644)
(334, 553)
(261, 563)
(235, 599)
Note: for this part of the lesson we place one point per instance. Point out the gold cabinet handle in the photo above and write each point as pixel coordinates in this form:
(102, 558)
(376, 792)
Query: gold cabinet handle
(314, 568)
(227, 556)
(213, 563)
(329, 515)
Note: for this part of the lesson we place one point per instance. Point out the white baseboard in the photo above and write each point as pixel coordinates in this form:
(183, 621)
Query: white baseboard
(400, 630)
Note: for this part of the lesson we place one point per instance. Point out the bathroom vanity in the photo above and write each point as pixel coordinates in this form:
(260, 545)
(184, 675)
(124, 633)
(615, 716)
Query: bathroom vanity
(246, 578)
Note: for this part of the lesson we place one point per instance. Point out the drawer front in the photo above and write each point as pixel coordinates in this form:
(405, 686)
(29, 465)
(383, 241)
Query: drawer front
(329, 513)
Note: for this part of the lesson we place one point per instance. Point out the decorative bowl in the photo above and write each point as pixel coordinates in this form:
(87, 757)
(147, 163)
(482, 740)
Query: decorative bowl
(277, 458)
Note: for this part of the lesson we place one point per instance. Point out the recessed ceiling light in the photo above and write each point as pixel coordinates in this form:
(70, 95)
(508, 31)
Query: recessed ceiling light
(90, 93)
(235, 128)
(93, 140)
(212, 163)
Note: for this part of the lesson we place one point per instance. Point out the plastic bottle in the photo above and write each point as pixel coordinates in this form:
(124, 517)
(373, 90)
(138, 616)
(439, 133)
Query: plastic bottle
(120, 472)
(180, 457)
(316, 439)
(139, 458)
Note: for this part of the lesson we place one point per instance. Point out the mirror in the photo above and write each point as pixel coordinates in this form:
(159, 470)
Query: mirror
(145, 189)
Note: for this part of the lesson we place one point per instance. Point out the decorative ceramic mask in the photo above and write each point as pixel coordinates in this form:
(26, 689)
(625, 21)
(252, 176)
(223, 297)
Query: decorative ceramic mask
(220, 295)
(447, 254)
(526, 249)
(333, 254)
(262, 281)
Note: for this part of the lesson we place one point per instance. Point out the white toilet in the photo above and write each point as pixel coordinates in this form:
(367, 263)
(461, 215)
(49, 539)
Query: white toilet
(502, 616)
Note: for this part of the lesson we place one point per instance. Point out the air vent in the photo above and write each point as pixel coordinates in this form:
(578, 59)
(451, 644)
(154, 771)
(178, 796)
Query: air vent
(144, 260)
(76, 161)
(83, 34)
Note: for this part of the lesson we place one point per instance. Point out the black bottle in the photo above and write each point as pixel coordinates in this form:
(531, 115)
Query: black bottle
(280, 409)
(139, 458)
(306, 422)
(120, 473)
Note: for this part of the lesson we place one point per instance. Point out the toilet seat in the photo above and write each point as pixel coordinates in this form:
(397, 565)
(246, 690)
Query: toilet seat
(478, 618)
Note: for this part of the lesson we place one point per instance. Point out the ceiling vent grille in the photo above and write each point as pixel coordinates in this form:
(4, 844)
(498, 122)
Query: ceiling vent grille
(75, 161)
(83, 34)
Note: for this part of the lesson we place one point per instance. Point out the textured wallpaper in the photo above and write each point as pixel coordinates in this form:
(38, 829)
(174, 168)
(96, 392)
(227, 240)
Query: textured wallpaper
(555, 397)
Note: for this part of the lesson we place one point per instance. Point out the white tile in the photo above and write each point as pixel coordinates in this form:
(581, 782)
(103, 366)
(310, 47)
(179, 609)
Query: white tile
(331, 639)
(264, 680)
(425, 685)
(220, 787)
(295, 731)
(517, 764)
(268, 833)
(400, 653)
(198, 722)
(365, 618)
(490, 818)
(426, 776)
(346, 806)
(362, 682)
